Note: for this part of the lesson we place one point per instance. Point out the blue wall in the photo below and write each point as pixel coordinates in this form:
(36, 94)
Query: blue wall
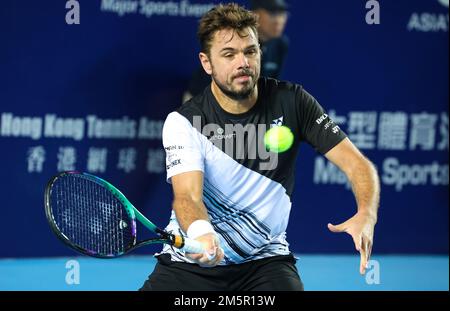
(386, 84)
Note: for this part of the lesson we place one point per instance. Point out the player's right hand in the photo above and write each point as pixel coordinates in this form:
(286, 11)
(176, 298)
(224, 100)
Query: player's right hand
(213, 252)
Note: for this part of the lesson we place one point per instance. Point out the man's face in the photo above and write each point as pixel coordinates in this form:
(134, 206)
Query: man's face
(234, 62)
(271, 24)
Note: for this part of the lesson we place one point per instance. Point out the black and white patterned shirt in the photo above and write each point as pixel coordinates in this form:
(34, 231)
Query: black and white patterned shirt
(248, 202)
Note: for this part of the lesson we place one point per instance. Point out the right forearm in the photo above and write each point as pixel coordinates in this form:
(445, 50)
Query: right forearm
(188, 210)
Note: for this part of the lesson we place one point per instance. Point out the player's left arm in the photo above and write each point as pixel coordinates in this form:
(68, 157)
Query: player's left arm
(364, 180)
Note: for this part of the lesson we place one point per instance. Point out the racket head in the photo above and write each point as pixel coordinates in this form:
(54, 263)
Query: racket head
(90, 215)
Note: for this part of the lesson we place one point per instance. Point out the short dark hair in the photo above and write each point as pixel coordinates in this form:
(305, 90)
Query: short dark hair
(225, 16)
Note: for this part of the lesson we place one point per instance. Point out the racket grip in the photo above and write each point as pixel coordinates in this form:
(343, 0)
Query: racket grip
(193, 246)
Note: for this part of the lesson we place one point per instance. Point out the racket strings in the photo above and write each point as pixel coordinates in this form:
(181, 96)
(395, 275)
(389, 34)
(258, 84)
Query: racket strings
(90, 216)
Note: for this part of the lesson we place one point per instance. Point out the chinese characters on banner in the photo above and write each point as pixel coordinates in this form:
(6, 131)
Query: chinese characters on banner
(398, 130)
(394, 132)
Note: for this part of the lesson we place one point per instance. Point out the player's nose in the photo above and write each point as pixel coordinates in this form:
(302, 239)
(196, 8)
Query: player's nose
(243, 61)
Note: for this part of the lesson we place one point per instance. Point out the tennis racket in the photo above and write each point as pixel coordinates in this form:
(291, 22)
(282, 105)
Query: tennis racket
(94, 218)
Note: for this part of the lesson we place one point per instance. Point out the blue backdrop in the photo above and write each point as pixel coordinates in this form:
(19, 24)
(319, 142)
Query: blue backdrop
(92, 96)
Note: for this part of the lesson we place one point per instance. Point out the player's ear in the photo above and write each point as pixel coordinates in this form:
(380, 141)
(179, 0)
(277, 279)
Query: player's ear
(206, 64)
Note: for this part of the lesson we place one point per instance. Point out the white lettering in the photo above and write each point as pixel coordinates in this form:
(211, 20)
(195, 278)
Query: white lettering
(373, 15)
(73, 15)
(400, 175)
(119, 7)
(150, 129)
(111, 128)
(73, 275)
(14, 126)
(63, 127)
(322, 118)
(190, 301)
(428, 22)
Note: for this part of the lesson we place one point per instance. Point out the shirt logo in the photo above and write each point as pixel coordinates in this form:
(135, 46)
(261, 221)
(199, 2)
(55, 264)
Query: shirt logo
(277, 122)
(322, 118)
(221, 135)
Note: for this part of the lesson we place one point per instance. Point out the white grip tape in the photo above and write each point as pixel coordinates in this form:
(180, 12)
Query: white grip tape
(193, 246)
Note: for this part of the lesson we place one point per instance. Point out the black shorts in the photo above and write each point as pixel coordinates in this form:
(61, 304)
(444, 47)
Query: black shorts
(268, 274)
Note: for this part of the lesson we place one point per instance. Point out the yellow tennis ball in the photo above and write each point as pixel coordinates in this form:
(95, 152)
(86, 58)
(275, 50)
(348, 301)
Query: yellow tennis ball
(278, 139)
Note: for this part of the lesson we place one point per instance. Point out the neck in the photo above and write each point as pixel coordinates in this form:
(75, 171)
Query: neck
(231, 105)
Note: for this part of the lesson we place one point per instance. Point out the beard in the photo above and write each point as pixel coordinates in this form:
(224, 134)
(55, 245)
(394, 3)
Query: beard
(230, 91)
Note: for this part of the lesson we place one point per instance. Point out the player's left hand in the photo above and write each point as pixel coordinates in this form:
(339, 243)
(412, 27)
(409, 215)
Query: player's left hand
(360, 227)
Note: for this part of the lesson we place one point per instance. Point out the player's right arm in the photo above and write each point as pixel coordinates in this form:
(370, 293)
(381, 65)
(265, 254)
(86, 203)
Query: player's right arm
(190, 212)
(185, 166)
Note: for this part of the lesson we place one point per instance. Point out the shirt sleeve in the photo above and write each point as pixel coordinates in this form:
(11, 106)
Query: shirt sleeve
(182, 145)
(316, 127)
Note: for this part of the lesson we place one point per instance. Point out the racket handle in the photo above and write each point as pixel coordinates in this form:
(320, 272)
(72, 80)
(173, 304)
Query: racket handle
(193, 246)
(190, 246)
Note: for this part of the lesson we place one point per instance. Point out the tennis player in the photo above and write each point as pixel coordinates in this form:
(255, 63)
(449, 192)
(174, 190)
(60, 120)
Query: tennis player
(272, 19)
(237, 204)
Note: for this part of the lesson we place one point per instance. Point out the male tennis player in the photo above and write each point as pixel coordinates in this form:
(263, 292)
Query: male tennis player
(272, 19)
(235, 203)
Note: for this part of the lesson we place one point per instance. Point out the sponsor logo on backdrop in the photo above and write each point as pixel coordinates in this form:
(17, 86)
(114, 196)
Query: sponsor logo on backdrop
(430, 21)
(393, 133)
(183, 8)
(90, 127)
(392, 173)
(72, 130)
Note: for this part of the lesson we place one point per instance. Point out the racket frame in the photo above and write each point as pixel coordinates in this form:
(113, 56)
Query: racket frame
(163, 236)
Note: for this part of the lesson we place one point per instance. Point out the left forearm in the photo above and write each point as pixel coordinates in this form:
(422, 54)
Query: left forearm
(366, 187)
(363, 177)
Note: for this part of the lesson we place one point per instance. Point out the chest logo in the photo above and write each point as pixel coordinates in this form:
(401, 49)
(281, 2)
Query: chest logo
(277, 122)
